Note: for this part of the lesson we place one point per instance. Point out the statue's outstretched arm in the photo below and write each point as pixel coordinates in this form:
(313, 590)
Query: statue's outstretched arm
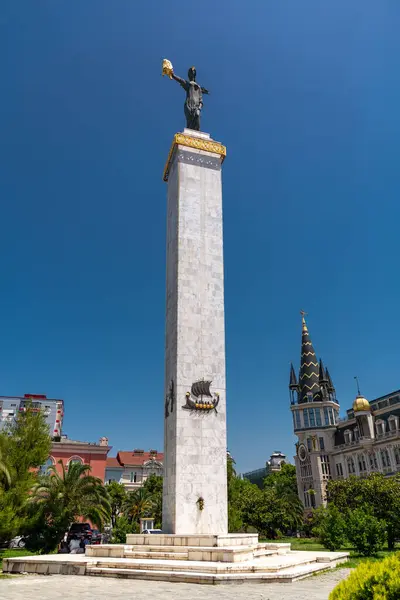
(179, 80)
(204, 91)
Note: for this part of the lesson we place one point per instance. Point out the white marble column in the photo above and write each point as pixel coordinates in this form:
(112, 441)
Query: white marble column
(195, 440)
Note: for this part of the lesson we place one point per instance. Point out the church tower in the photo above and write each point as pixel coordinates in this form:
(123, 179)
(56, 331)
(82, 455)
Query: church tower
(315, 411)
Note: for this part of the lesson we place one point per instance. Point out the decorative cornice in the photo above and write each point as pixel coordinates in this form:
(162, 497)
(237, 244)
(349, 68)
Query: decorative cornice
(197, 144)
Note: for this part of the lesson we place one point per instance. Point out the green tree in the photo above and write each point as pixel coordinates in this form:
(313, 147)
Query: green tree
(376, 494)
(280, 494)
(5, 477)
(117, 495)
(25, 445)
(154, 486)
(366, 533)
(139, 504)
(330, 527)
(283, 481)
(62, 499)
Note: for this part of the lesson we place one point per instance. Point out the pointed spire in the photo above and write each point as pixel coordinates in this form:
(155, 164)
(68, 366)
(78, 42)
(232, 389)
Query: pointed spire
(322, 372)
(331, 387)
(293, 379)
(309, 367)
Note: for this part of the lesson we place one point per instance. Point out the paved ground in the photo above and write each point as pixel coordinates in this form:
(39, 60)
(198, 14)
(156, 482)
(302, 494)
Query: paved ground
(61, 587)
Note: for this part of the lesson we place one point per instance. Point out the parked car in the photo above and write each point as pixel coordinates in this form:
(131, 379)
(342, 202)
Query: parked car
(80, 530)
(17, 542)
(152, 531)
(96, 537)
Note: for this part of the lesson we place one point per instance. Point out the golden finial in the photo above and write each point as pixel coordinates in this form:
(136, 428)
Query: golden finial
(303, 314)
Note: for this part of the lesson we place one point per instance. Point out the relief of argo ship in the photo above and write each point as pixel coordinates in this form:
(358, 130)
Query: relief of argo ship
(200, 397)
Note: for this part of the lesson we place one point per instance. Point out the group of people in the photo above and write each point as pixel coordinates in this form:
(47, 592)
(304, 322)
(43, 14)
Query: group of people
(76, 545)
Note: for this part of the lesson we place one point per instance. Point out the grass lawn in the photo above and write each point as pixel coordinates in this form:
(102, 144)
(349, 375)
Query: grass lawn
(8, 553)
(313, 544)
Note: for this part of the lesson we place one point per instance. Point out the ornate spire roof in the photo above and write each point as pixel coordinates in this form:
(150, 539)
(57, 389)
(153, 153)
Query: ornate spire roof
(309, 368)
(322, 373)
(331, 387)
(293, 379)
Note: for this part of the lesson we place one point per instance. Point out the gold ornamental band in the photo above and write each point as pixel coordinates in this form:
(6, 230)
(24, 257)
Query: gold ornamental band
(193, 142)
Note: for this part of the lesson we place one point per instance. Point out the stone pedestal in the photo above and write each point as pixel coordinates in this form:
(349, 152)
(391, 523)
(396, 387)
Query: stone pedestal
(195, 486)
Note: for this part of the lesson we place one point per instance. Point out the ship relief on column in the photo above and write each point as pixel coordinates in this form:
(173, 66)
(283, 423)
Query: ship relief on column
(200, 398)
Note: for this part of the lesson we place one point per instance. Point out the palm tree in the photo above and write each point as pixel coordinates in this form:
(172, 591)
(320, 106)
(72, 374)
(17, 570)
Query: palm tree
(139, 504)
(73, 494)
(5, 477)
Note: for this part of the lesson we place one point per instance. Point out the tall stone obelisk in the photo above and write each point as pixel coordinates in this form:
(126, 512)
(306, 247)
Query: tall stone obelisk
(195, 483)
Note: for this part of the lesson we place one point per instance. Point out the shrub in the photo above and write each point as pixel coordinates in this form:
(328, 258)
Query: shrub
(371, 581)
(330, 527)
(365, 532)
(122, 527)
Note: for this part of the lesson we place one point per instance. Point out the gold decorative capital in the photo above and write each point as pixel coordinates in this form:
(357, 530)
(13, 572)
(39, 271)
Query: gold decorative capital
(196, 143)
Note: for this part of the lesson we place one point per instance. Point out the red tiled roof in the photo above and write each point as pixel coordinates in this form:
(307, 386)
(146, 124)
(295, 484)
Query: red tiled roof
(112, 461)
(136, 459)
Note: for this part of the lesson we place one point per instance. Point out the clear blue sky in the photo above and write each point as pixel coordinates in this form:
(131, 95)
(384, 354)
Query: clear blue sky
(306, 97)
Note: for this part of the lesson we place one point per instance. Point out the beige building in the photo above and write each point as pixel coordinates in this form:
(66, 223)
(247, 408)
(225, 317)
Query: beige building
(132, 468)
(366, 441)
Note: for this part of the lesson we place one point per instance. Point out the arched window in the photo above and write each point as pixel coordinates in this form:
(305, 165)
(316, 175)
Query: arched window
(44, 469)
(75, 460)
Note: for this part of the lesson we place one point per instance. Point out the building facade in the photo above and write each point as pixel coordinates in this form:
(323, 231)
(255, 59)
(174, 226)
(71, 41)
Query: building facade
(272, 465)
(133, 468)
(72, 451)
(366, 441)
(52, 408)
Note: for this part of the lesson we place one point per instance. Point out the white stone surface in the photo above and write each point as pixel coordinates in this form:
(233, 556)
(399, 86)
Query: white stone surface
(195, 442)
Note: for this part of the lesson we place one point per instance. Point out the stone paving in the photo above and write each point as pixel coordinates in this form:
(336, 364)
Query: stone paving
(60, 587)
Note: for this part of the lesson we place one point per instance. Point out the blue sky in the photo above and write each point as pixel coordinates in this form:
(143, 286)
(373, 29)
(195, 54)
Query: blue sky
(306, 97)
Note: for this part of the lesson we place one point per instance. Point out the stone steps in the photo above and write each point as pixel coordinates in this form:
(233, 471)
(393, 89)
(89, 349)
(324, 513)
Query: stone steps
(157, 555)
(286, 575)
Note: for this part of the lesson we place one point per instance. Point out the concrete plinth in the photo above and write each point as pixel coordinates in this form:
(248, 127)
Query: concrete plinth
(195, 481)
(263, 563)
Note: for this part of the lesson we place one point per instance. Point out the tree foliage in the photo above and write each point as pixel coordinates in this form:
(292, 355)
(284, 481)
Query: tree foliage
(330, 527)
(371, 581)
(271, 511)
(376, 495)
(138, 505)
(154, 486)
(117, 496)
(62, 499)
(24, 446)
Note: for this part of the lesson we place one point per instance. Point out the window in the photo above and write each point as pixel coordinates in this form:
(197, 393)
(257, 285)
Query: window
(44, 469)
(131, 477)
(373, 463)
(393, 423)
(325, 466)
(356, 434)
(339, 470)
(326, 416)
(347, 436)
(305, 417)
(309, 444)
(361, 463)
(321, 443)
(318, 417)
(75, 460)
(312, 417)
(297, 419)
(397, 455)
(350, 466)
(380, 427)
(385, 459)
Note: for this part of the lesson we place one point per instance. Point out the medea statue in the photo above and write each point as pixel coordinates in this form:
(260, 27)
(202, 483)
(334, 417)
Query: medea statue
(194, 94)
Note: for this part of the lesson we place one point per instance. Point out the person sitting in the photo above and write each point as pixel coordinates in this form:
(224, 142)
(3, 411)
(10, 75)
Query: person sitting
(74, 545)
(63, 549)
